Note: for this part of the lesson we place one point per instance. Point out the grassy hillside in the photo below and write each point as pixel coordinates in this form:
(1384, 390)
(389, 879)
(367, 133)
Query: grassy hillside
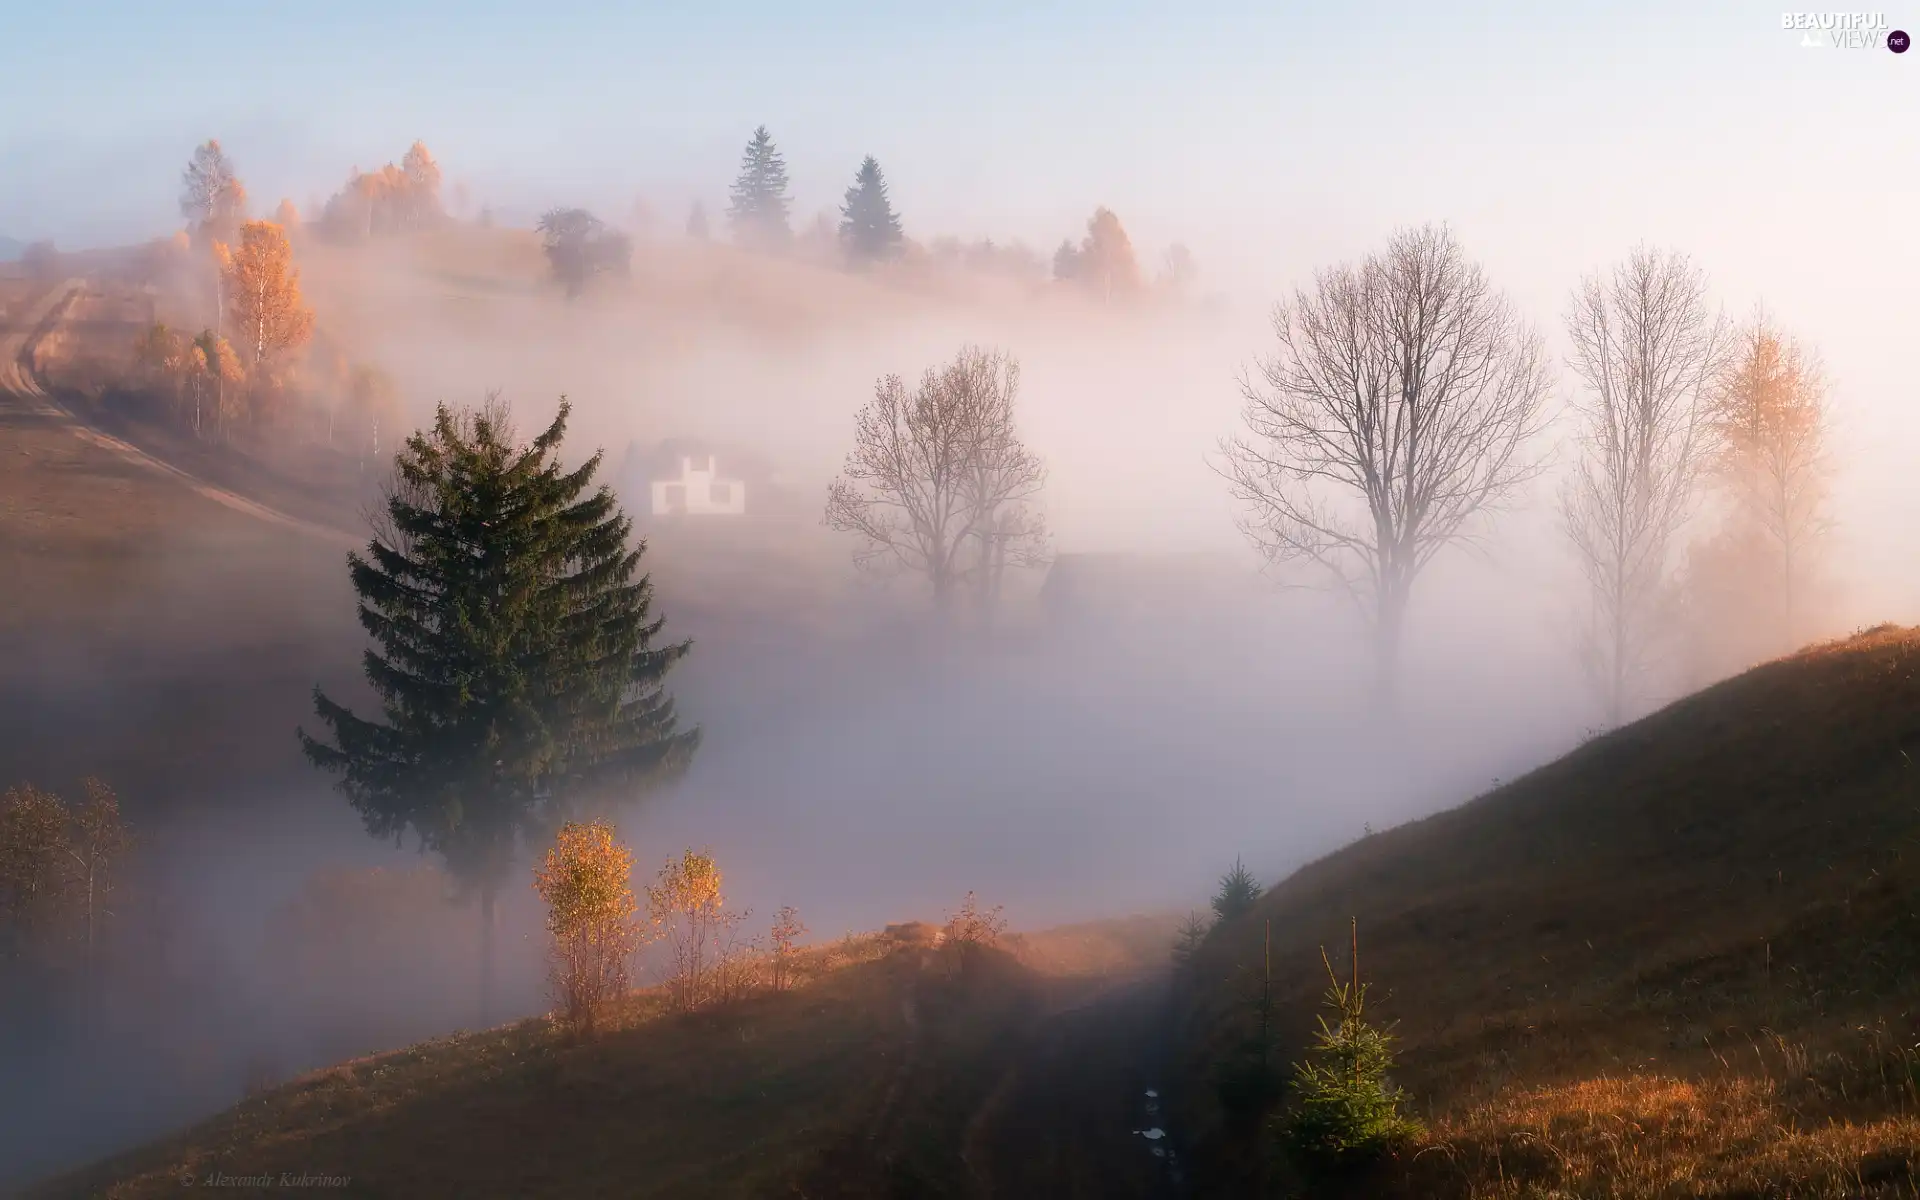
(1682, 961)
(871, 1078)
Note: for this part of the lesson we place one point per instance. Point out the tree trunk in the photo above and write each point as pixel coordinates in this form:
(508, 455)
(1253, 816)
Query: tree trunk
(486, 955)
(985, 589)
(1617, 684)
(1387, 631)
(1786, 592)
(90, 903)
(943, 595)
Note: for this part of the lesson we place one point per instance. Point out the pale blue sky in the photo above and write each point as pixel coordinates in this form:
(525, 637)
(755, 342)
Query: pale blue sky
(1271, 138)
(1009, 118)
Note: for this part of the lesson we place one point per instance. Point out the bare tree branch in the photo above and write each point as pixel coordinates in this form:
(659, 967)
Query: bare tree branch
(938, 482)
(1648, 351)
(1396, 408)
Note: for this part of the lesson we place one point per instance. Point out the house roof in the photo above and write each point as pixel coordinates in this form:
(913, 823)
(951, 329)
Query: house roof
(1132, 576)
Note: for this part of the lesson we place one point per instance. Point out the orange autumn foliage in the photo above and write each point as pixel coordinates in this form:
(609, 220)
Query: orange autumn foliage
(263, 288)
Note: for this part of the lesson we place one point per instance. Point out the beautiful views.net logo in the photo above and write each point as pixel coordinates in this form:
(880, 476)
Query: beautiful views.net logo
(1845, 31)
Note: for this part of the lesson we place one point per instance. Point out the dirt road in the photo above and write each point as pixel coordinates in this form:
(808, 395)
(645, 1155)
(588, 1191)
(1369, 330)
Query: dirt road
(1074, 1118)
(22, 391)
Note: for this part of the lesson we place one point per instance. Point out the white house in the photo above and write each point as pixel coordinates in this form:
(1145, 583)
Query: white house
(699, 490)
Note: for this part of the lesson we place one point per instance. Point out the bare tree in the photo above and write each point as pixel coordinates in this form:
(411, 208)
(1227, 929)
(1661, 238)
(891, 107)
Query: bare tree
(938, 482)
(1013, 534)
(1006, 477)
(1396, 409)
(1648, 350)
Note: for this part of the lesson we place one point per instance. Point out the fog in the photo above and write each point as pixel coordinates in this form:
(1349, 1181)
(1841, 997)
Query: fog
(857, 764)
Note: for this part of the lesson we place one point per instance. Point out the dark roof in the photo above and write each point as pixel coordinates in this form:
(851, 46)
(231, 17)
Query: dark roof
(1134, 578)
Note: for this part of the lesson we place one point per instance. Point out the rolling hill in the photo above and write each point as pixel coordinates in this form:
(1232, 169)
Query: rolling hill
(1683, 960)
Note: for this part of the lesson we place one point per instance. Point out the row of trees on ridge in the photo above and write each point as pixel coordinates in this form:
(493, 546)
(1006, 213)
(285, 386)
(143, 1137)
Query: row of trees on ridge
(60, 867)
(257, 362)
(1402, 404)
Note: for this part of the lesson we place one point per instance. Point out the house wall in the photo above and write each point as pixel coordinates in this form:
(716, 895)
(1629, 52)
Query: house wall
(699, 491)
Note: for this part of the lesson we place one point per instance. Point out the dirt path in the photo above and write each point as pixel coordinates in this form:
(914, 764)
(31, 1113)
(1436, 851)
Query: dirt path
(18, 384)
(1070, 1119)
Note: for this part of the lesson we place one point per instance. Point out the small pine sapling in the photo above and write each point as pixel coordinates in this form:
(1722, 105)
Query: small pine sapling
(1346, 1111)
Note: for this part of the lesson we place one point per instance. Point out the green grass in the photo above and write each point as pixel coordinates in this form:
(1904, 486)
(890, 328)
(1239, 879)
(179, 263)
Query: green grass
(1697, 905)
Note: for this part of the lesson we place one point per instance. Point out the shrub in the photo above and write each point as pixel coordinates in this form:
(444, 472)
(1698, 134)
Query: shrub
(1345, 1109)
(970, 931)
(590, 907)
(1238, 891)
(785, 935)
(689, 913)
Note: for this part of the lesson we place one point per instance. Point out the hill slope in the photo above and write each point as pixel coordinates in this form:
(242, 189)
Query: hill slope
(1666, 964)
(885, 1073)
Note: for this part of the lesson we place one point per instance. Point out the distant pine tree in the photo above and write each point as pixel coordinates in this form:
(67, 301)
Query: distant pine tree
(1238, 891)
(516, 667)
(1191, 936)
(869, 228)
(757, 213)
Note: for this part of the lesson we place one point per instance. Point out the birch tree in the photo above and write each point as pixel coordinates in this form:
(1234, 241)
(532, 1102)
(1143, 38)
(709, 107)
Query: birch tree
(263, 286)
(1647, 349)
(1769, 424)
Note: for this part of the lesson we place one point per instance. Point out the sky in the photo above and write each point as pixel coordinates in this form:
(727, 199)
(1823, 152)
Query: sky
(1272, 139)
(993, 117)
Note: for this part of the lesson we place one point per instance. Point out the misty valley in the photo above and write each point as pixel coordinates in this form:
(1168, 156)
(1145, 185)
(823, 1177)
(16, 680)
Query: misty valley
(836, 676)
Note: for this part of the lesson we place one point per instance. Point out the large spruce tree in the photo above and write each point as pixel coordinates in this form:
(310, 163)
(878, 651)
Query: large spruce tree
(517, 667)
(869, 228)
(757, 213)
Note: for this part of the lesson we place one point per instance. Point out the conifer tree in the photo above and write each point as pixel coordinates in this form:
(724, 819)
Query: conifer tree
(757, 214)
(517, 666)
(1238, 891)
(1345, 1109)
(869, 228)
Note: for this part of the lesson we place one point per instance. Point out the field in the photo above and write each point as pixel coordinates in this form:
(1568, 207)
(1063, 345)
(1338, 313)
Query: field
(1682, 961)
